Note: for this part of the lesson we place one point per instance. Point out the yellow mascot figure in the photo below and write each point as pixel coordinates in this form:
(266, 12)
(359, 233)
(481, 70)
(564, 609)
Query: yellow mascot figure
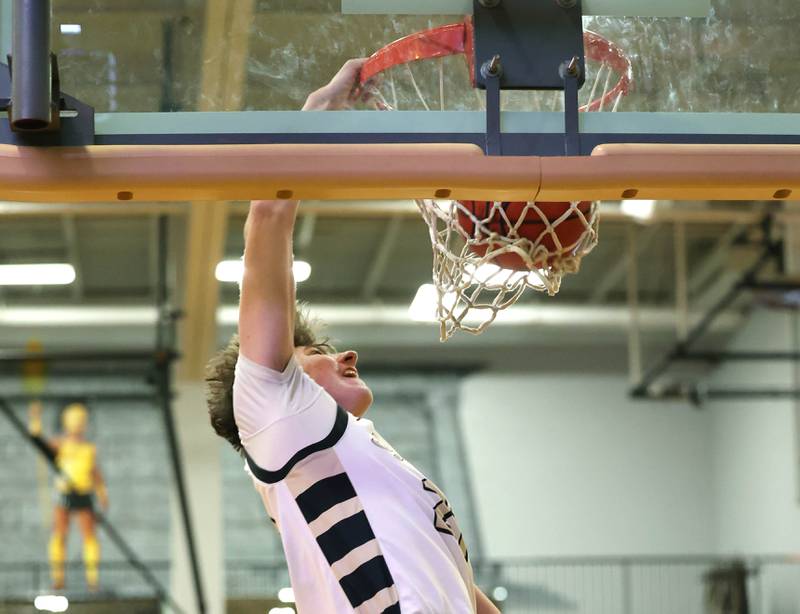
(78, 482)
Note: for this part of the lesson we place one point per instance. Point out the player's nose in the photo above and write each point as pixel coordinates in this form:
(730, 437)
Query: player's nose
(349, 358)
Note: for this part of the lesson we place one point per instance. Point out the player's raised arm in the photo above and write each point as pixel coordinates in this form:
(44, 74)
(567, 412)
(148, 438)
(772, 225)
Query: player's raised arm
(267, 303)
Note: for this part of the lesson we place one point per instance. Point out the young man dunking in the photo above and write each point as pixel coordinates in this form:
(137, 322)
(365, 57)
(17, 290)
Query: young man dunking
(362, 529)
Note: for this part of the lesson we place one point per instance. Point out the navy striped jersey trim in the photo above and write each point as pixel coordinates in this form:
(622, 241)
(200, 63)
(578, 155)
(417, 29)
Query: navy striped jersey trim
(366, 581)
(344, 536)
(271, 477)
(365, 570)
(323, 495)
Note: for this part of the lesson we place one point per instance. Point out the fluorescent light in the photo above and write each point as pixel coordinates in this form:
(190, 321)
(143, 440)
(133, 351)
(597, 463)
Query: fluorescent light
(78, 316)
(36, 274)
(286, 595)
(70, 28)
(639, 209)
(51, 603)
(231, 271)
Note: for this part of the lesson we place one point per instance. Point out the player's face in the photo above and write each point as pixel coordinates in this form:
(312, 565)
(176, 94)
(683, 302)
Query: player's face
(338, 375)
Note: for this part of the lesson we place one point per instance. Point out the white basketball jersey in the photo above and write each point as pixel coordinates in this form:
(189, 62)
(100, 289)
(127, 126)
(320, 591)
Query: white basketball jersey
(363, 531)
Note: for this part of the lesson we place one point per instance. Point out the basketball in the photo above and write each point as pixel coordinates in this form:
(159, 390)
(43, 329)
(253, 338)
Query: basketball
(535, 226)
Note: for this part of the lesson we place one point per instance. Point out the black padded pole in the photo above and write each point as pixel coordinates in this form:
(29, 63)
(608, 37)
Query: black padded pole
(163, 376)
(31, 79)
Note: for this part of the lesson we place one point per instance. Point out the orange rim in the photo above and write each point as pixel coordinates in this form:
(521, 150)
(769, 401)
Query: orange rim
(458, 38)
(452, 39)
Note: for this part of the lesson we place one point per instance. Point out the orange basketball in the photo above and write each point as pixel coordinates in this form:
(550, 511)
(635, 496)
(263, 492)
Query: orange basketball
(532, 227)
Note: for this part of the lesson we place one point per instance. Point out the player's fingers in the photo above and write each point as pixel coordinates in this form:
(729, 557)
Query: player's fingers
(351, 69)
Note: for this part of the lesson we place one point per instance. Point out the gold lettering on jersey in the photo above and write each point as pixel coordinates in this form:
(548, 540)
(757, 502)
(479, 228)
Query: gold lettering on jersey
(382, 443)
(444, 520)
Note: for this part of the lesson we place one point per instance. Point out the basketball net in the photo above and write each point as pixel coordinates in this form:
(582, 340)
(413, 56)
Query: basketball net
(471, 289)
(482, 264)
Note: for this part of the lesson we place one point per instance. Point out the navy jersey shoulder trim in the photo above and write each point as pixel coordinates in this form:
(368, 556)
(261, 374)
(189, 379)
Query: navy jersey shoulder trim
(271, 477)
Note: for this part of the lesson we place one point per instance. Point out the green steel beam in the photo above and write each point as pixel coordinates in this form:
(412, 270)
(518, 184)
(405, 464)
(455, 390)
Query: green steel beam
(613, 8)
(441, 122)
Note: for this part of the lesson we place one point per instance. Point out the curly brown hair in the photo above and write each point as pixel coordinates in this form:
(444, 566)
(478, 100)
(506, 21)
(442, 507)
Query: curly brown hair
(220, 373)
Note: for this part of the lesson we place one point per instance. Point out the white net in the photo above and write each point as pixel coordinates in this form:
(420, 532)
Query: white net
(485, 254)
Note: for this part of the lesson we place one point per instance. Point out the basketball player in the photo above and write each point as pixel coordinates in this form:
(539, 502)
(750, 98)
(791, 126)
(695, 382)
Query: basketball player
(80, 479)
(362, 529)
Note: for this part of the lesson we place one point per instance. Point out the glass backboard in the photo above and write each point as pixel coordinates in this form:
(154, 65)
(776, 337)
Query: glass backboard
(718, 70)
(710, 68)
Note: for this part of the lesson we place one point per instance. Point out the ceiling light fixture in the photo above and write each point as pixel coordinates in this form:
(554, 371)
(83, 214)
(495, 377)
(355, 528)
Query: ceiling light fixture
(36, 274)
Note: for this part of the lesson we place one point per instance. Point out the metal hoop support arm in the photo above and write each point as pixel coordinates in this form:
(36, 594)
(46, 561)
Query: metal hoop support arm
(342, 172)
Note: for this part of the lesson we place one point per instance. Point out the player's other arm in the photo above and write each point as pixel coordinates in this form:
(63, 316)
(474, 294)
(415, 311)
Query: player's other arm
(483, 604)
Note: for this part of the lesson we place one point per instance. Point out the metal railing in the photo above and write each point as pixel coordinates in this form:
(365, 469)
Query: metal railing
(23, 579)
(636, 585)
(590, 585)
(580, 585)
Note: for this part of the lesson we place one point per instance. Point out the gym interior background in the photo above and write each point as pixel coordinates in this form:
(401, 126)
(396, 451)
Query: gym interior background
(574, 494)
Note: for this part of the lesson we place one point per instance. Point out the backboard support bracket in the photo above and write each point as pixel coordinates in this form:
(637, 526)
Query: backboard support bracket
(492, 70)
(523, 45)
(30, 89)
(572, 137)
(73, 120)
(532, 39)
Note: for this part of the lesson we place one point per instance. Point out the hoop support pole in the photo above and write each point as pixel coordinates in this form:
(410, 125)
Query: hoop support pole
(31, 94)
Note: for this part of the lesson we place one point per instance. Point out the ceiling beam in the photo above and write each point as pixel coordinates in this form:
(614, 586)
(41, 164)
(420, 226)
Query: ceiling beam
(706, 269)
(381, 258)
(616, 273)
(224, 61)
